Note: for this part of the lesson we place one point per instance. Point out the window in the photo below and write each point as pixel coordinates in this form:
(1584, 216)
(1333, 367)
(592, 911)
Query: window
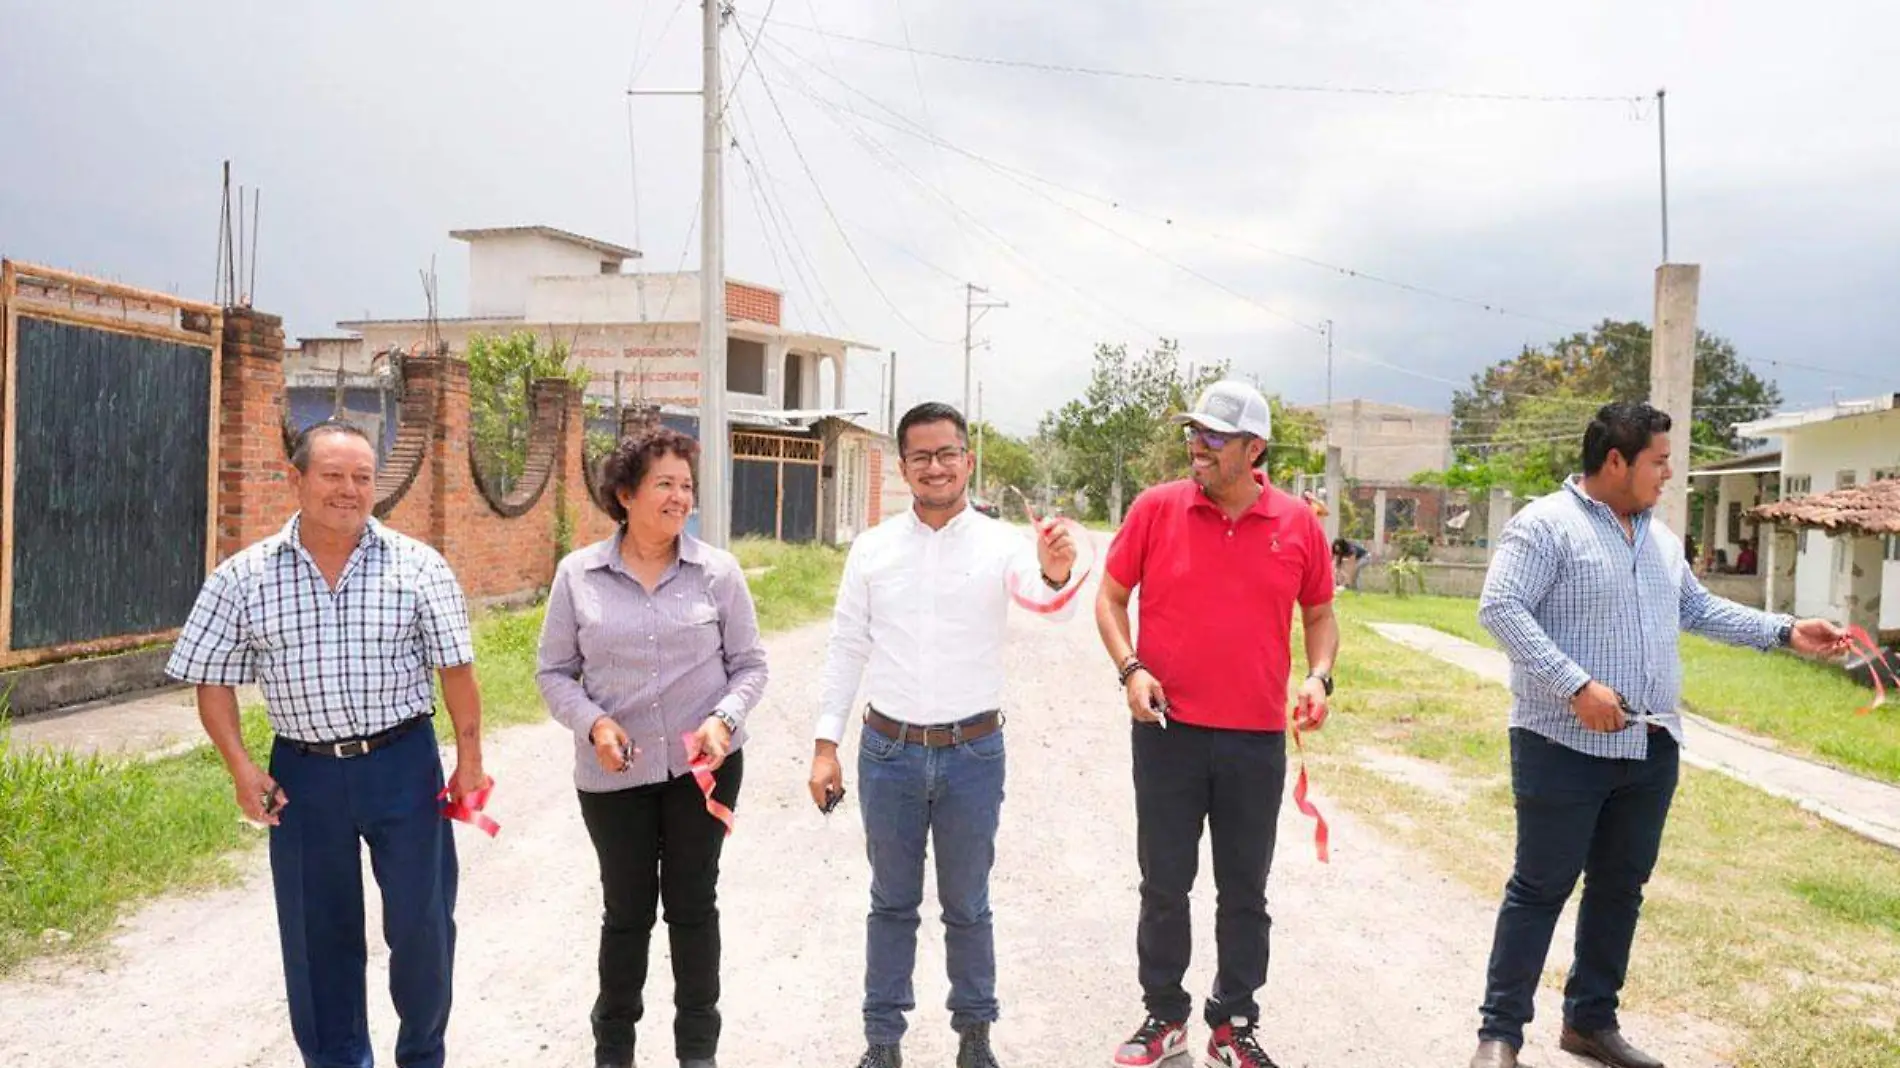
(1882, 474)
(745, 366)
(1734, 522)
(1843, 479)
(1797, 486)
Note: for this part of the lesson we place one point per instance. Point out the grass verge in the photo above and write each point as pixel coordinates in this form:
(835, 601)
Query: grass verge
(1805, 706)
(1762, 918)
(82, 838)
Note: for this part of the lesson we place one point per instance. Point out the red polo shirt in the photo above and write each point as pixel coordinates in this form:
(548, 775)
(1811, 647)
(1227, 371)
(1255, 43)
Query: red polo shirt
(1215, 617)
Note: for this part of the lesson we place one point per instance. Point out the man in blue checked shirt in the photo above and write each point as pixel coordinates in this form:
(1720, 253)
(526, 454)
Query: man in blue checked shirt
(342, 621)
(1588, 593)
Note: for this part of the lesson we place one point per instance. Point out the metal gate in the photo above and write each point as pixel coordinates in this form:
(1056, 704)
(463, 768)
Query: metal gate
(775, 486)
(109, 454)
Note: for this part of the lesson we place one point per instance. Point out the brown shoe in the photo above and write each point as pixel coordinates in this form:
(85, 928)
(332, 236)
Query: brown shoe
(1607, 1046)
(1494, 1054)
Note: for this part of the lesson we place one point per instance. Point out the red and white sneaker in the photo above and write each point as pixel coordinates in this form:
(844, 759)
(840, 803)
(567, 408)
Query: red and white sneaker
(1153, 1042)
(1233, 1046)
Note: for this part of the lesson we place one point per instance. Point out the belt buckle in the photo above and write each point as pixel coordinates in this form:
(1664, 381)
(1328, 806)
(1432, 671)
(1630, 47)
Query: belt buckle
(346, 750)
(956, 734)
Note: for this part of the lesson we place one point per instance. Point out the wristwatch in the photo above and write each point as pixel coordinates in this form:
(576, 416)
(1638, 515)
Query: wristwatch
(731, 721)
(1325, 679)
(1785, 636)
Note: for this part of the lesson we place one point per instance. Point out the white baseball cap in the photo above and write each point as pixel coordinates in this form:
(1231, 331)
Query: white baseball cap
(1230, 407)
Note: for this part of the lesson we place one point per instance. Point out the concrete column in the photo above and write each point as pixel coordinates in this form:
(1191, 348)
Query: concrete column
(1782, 557)
(1499, 514)
(837, 381)
(1864, 568)
(1672, 376)
(1378, 522)
(1335, 491)
(775, 373)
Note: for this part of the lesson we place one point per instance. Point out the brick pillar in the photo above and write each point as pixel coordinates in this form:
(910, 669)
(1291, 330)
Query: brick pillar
(453, 494)
(254, 494)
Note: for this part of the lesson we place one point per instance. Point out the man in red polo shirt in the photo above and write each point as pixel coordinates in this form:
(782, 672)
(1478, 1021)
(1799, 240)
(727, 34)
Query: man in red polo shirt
(1220, 559)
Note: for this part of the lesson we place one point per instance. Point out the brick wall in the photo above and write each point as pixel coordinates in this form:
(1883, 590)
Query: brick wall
(254, 496)
(874, 486)
(428, 490)
(752, 303)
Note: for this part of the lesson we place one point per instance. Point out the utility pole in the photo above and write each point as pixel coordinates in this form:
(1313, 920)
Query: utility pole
(715, 442)
(1672, 375)
(1662, 148)
(972, 314)
(979, 439)
(1329, 387)
(890, 418)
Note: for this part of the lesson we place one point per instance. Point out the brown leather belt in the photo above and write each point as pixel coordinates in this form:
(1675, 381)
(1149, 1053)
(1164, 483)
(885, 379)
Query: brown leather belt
(934, 736)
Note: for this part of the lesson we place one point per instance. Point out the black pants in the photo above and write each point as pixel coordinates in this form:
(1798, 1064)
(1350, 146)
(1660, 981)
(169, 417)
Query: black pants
(1577, 815)
(1231, 781)
(658, 844)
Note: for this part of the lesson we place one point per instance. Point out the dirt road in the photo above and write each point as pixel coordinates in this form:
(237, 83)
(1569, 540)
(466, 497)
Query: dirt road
(1378, 959)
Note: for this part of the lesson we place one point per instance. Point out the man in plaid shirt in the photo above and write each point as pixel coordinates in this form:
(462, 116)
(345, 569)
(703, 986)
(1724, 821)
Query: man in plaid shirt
(341, 620)
(1589, 594)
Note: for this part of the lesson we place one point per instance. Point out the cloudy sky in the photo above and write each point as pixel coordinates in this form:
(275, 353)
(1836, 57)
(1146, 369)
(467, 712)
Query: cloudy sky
(875, 181)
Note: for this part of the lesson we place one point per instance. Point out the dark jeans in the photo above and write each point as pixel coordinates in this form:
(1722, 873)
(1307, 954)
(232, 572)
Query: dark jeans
(1576, 815)
(1231, 781)
(657, 844)
(949, 798)
(386, 798)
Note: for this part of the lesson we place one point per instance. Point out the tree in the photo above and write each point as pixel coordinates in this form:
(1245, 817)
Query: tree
(1007, 461)
(502, 371)
(1611, 362)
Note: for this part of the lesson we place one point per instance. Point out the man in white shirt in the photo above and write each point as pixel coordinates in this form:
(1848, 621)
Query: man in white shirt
(920, 621)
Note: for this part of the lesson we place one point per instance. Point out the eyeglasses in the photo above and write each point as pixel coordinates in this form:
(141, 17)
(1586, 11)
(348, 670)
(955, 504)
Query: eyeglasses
(1208, 438)
(946, 456)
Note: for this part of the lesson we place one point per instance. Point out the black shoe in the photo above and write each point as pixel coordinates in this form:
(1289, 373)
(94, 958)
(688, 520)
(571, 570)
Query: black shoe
(882, 1057)
(973, 1047)
(698, 1062)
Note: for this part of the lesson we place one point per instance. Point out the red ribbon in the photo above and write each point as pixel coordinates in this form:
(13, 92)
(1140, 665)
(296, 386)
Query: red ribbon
(469, 809)
(702, 768)
(1049, 605)
(1863, 646)
(1322, 836)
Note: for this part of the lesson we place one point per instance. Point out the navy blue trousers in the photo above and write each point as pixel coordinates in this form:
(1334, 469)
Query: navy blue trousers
(386, 798)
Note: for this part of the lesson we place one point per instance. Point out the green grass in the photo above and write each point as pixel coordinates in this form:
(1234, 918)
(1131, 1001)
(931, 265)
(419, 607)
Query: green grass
(84, 838)
(1805, 706)
(1761, 918)
(801, 585)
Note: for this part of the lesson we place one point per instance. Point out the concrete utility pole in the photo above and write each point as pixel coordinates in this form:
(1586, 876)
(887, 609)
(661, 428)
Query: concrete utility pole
(715, 440)
(972, 314)
(1662, 154)
(890, 418)
(1329, 383)
(1672, 377)
(979, 439)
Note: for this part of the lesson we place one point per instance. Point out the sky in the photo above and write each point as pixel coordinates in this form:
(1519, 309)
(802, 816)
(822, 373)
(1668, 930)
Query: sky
(873, 179)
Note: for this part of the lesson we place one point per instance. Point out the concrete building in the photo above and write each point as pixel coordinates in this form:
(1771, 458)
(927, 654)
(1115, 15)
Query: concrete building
(1809, 570)
(1385, 443)
(638, 336)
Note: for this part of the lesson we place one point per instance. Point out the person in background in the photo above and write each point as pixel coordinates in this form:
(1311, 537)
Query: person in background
(650, 655)
(1745, 562)
(342, 621)
(1350, 555)
(1588, 594)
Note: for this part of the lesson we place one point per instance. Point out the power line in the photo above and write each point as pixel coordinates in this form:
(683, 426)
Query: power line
(805, 164)
(1224, 83)
(638, 66)
(808, 274)
(885, 158)
(746, 64)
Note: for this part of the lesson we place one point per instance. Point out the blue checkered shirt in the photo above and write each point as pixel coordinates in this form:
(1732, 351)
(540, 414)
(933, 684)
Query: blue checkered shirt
(1572, 598)
(333, 664)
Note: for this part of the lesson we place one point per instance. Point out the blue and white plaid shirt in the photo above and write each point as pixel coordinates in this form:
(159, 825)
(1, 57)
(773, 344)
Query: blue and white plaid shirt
(333, 664)
(1572, 598)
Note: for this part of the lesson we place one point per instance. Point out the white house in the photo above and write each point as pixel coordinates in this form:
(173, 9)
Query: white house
(1851, 443)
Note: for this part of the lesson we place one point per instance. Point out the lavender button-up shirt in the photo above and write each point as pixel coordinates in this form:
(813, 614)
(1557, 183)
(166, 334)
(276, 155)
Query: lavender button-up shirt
(657, 663)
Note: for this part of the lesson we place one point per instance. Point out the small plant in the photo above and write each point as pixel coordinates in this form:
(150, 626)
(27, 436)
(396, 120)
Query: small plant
(1412, 545)
(1402, 574)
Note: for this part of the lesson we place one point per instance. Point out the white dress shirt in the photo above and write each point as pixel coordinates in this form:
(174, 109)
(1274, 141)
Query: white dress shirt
(920, 619)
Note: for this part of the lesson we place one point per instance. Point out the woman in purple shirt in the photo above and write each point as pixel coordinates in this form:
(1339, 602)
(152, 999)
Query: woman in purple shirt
(651, 648)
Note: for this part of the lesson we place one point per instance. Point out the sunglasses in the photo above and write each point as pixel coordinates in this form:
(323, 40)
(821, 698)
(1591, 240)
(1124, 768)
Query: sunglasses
(1208, 438)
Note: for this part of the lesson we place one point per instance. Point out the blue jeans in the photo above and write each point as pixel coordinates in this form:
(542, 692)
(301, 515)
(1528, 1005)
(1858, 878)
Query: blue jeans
(1576, 815)
(386, 798)
(953, 797)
